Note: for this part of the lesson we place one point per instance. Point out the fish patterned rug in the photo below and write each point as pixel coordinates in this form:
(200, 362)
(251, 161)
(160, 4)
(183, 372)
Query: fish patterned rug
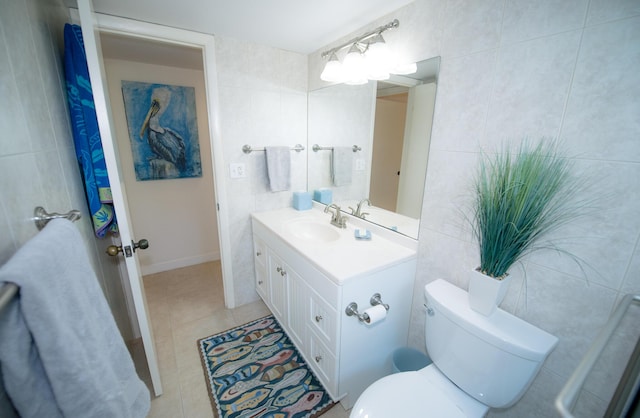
(254, 370)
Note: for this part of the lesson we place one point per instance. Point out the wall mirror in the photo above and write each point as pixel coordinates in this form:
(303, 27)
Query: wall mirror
(386, 128)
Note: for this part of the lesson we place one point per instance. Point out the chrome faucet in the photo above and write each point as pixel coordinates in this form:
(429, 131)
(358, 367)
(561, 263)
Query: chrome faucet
(358, 212)
(336, 217)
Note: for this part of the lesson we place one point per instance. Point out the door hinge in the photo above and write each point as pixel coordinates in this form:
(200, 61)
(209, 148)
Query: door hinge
(127, 251)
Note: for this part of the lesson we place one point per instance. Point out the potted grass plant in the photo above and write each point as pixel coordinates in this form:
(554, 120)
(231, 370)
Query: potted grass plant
(520, 197)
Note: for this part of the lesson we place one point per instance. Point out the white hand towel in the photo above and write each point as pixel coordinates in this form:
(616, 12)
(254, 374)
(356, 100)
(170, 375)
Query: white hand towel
(341, 165)
(278, 168)
(61, 353)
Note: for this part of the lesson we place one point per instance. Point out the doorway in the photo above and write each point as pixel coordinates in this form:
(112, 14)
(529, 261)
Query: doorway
(92, 25)
(177, 216)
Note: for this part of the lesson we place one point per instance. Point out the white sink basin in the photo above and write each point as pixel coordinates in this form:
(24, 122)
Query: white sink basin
(311, 230)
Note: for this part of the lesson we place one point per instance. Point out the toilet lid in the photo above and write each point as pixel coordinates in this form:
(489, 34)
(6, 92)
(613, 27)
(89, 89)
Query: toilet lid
(407, 395)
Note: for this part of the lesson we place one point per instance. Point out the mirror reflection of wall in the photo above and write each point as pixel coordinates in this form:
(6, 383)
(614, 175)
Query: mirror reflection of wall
(391, 121)
(340, 116)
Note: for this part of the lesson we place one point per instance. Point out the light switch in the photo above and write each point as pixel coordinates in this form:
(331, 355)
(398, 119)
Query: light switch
(359, 164)
(237, 170)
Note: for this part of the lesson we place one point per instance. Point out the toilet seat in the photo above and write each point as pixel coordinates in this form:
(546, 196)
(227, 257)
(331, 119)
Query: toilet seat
(420, 394)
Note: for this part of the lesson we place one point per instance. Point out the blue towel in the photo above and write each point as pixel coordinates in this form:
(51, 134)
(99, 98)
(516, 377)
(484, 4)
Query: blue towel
(278, 168)
(86, 136)
(61, 353)
(341, 165)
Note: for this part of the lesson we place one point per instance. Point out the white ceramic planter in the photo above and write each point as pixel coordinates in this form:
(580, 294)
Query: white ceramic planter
(486, 293)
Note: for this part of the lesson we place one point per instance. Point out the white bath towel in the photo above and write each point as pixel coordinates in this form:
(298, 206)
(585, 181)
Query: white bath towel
(61, 354)
(341, 165)
(278, 168)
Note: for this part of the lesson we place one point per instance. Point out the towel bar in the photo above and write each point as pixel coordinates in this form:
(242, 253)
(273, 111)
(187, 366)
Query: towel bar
(41, 217)
(247, 149)
(7, 292)
(317, 148)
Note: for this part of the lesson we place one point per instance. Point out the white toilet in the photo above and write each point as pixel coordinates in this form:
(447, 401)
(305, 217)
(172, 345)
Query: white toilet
(479, 362)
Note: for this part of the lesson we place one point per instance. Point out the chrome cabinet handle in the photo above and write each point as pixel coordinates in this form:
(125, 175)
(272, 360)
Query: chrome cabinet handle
(318, 318)
(260, 281)
(318, 359)
(258, 253)
(279, 269)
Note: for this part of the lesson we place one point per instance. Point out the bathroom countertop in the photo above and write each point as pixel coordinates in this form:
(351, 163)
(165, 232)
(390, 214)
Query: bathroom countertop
(341, 258)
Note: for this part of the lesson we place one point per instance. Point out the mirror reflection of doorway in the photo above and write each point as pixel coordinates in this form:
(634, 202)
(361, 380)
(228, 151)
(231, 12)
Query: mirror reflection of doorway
(401, 139)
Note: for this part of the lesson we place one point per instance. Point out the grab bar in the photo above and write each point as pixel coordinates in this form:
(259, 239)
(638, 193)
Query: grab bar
(569, 394)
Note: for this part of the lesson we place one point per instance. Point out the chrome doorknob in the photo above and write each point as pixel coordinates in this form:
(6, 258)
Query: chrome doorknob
(143, 244)
(113, 250)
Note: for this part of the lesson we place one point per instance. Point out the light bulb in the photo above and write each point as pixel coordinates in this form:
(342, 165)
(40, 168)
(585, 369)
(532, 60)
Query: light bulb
(333, 70)
(354, 66)
(377, 59)
(404, 69)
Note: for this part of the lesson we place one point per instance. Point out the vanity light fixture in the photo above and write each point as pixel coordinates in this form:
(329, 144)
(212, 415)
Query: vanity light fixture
(368, 58)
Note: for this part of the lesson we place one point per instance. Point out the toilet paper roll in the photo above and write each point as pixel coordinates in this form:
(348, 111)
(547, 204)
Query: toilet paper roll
(375, 314)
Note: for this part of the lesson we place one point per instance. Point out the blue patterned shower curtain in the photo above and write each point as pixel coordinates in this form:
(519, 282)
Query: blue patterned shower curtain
(86, 135)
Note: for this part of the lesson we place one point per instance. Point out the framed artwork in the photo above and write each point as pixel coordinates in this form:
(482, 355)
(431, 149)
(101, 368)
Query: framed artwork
(163, 130)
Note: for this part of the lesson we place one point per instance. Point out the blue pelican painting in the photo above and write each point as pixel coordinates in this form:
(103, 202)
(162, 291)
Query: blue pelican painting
(162, 130)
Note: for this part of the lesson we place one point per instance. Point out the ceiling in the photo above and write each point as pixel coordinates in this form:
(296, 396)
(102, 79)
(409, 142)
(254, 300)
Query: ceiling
(302, 26)
(150, 52)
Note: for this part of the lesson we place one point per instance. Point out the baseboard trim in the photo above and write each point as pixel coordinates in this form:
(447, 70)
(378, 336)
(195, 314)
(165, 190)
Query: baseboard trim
(176, 264)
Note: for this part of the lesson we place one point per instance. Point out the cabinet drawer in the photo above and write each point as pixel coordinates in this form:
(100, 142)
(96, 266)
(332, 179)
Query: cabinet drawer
(323, 319)
(260, 264)
(259, 251)
(262, 283)
(323, 363)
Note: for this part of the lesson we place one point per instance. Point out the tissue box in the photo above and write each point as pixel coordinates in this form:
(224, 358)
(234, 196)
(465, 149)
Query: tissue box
(301, 200)
(324, 196)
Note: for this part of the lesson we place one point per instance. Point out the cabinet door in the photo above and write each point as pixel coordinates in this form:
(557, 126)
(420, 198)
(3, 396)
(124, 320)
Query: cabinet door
(260, 263)
(298, 301)
(323, 320)
(278, 288)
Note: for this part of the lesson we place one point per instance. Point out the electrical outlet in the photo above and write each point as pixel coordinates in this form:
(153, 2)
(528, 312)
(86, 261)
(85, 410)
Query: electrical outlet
(237, 170)
(359, 164)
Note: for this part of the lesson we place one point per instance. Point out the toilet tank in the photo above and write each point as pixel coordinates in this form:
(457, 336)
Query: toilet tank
(492, 358)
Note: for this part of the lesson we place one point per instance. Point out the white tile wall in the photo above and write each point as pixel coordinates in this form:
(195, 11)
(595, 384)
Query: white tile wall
(263, 102)
(547, 68)
(37, 159)
(528, 20)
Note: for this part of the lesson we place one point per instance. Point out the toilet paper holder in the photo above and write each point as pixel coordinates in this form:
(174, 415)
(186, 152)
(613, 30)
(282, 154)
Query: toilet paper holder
(352, 308)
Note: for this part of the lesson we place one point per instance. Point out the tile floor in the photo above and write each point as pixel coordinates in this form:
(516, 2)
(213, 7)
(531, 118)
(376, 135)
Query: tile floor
(185, 305)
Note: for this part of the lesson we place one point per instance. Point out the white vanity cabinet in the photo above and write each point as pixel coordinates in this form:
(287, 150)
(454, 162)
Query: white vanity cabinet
(309, 302)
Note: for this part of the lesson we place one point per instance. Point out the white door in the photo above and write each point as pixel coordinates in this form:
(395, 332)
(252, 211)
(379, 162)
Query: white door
(105, 123)
(415, 151)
